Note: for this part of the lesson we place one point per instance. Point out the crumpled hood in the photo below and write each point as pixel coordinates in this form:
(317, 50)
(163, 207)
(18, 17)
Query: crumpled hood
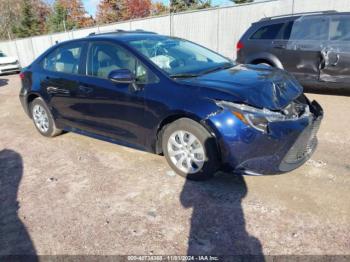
(255, 85)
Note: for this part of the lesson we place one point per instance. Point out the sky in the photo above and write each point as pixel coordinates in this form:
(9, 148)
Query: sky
(91, 5)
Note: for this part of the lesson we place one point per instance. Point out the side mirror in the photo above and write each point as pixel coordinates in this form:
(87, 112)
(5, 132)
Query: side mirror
(122, 76)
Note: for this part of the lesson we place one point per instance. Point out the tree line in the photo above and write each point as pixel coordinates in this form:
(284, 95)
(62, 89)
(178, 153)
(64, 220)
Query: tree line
(25, 18)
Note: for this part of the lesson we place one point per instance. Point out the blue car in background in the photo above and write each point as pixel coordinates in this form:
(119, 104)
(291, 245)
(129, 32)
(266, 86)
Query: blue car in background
(170, 96)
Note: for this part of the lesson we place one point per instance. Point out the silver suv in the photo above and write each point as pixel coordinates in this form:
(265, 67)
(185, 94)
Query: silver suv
(314, 47)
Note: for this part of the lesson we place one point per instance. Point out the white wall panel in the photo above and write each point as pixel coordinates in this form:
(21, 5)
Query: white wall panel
(84, 32)
(200, 27)
(41, 44)
(160, 25)
(317, 5)
(61, 37)
(25, 51)
(114, 27)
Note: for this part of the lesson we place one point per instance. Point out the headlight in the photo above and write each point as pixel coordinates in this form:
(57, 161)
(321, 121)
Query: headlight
(256, 118)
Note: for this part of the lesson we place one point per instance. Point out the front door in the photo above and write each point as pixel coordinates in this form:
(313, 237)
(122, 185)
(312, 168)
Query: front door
(336, 66)
(115, 110)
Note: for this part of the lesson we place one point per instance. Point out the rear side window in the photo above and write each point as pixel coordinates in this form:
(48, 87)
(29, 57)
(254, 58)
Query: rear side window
(339, 28)
(310, 28)
(268, 31)
(64, 59)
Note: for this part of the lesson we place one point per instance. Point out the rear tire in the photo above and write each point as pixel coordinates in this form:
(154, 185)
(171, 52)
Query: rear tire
(42, 118)
(190, 150)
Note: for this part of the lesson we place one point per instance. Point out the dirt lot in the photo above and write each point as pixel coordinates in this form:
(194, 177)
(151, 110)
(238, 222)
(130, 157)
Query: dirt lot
(76, 195)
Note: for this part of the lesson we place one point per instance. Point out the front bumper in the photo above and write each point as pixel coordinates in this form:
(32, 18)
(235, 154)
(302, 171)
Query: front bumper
(286, 146)
(9, 68)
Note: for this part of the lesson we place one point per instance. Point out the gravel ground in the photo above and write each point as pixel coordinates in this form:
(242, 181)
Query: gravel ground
(77, 195)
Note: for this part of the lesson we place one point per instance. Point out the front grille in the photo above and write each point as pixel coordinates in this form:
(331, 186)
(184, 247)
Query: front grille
(304, 145)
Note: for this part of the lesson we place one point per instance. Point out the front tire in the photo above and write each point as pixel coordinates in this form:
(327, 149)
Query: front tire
(190, 150)
(42, 118)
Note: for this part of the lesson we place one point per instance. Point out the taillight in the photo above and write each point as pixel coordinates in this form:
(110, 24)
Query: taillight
(21, 75)
(239, 46)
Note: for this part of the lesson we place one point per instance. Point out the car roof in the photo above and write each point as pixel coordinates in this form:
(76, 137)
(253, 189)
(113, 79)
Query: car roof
(122, 35)
(289, 17)
(119, 35)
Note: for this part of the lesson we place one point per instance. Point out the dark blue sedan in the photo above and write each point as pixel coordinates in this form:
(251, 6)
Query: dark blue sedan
(170, 96)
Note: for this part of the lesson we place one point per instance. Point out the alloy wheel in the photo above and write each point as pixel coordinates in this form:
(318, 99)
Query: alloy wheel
(41, 119)
(186, 151)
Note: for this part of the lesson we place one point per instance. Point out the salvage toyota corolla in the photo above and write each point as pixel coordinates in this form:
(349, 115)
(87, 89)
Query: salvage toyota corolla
(170, 96)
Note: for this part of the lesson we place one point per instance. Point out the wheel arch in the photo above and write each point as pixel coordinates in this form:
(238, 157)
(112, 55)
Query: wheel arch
(265, 58)
(175, 116)
(29, 100)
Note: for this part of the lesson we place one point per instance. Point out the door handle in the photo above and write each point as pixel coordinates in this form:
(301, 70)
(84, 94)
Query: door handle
(279, 46)
(55, 90)
(52, 89)
(85, 89)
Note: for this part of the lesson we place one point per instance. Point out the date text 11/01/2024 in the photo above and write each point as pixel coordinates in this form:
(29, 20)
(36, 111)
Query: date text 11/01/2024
(172, 258)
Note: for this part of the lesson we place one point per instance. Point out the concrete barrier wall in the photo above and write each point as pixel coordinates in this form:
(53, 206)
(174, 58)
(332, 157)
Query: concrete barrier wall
(216, 28)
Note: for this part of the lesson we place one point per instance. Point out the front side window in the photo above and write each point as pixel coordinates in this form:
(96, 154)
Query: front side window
(310, 28)
(268, 32)
(339, 28)
(2, 54)
(176, 56)
(103, 58)
(64, 59)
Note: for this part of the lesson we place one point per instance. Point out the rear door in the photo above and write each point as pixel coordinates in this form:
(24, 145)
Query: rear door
(301, 54)
(336, 66)
(60, 80)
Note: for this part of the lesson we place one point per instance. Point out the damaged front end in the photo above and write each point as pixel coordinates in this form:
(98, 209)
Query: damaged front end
(261, 141)
(306, 143)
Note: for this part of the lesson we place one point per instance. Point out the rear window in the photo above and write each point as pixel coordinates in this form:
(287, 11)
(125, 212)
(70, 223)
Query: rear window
(310, 28)
(340, 29)
(268, 31)
(64, 59)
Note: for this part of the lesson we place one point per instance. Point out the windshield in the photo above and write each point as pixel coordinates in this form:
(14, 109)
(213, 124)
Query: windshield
(2, 54)
(180, 58)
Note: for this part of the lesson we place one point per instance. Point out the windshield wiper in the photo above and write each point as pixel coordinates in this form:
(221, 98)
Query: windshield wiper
(210, 70)
(184, 75)
(218, 68)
